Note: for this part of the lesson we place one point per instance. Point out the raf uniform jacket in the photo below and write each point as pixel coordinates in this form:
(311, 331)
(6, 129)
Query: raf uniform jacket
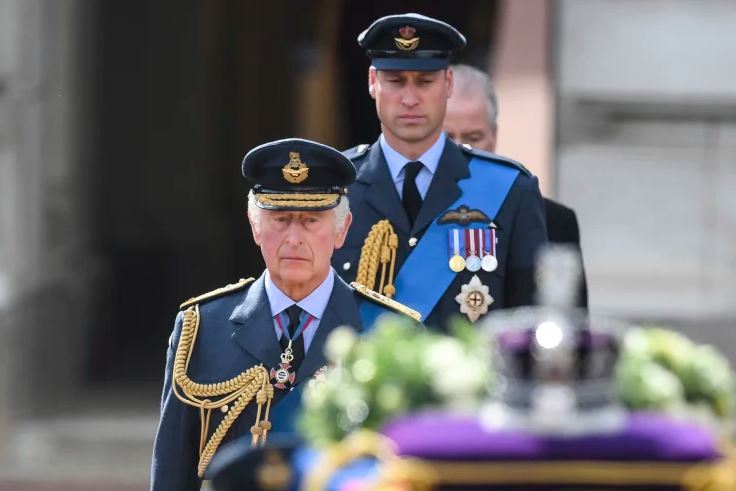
(562, 228)
(235, 333)
(520, 221)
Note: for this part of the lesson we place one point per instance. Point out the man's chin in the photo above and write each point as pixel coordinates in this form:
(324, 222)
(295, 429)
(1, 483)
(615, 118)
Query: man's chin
(297, 275)
(413, 134)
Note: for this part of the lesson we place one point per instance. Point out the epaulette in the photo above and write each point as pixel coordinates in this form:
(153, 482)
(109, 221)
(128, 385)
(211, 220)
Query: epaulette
(383, 300)
(355, 152)
(477, 152)
(242, 283)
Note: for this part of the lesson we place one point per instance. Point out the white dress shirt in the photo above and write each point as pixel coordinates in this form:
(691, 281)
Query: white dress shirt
(313, 304)
(396, 163)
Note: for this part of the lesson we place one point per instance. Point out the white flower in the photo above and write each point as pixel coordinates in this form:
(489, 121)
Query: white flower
(460, 381)
(443, 354)
(339, 343)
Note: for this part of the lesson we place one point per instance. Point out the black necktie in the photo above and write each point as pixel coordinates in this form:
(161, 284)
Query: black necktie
(410, 197)
(297, 345)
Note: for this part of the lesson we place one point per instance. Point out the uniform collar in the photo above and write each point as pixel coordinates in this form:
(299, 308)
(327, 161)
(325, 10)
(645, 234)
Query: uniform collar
(314, 303)
(396, 161)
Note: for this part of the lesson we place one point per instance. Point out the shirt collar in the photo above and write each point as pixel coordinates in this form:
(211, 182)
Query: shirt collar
(315, 303)
(396, 161)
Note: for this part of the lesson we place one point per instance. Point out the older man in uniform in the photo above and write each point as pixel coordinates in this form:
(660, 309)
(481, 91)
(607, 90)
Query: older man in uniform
(471, 119)
(463, 226)
(237, 353)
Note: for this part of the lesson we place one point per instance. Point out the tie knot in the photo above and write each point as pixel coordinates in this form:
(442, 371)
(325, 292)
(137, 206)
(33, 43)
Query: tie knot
(293, 314)
(411, 170)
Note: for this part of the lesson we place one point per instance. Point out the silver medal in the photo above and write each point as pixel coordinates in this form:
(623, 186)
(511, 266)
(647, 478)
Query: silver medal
(489, 263)
(473, 263)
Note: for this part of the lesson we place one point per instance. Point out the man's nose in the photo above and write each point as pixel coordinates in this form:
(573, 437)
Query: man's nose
(409, 96)
(294, 232)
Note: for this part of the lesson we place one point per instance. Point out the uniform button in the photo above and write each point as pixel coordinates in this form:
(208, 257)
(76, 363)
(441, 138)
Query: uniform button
(346, 266)
(412, 242)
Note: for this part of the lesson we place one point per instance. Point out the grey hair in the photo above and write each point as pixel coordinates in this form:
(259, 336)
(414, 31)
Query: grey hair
(341, 211)
(469, 78)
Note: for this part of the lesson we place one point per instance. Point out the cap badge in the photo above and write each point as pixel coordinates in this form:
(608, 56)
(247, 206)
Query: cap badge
(407, 41)
(295, 171)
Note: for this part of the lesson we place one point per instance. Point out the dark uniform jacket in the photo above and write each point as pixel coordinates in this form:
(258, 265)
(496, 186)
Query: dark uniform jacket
(562, 228)
(236, 332)
(520, 220)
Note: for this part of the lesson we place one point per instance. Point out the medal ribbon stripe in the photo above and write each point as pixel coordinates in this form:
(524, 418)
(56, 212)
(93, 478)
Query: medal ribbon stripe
(456, 243)
(471, 238)
(303, 325)
(420, 287)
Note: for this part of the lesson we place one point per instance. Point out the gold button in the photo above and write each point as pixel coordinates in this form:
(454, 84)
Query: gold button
(346, 266)
(412, 242)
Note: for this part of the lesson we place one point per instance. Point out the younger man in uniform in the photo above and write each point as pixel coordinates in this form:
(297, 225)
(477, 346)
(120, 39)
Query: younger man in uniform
(466, 224)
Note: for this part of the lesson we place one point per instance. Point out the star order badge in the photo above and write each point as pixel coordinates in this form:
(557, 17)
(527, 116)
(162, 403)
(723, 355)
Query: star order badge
(474, 299)
(295, 171)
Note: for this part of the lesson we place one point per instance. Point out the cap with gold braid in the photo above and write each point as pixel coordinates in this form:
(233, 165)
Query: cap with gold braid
(410, 42)
(297, 175)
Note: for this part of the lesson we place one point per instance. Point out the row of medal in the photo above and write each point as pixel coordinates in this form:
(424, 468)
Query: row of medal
(472, 249)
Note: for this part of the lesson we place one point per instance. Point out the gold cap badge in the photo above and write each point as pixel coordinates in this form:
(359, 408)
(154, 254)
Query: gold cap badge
(295, 171)
(407, 41)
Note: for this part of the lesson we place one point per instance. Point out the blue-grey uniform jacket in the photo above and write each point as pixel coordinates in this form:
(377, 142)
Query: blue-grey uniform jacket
(520, 221)
(235, 333)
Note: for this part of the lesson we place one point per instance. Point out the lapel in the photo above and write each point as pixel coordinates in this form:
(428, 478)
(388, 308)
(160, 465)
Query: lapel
(443, 190)
(342, 310)
(381, 193)
(256, 334)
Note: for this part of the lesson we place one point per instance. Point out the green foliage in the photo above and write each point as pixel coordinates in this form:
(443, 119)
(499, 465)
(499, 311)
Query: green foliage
(396, 368)
(662, 369)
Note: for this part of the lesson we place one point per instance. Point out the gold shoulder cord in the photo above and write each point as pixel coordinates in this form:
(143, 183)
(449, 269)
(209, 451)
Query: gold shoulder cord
(386, 302)
(379, 247)
(242, 388)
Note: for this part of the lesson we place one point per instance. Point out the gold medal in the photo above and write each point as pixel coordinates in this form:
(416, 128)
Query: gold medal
(457, 263)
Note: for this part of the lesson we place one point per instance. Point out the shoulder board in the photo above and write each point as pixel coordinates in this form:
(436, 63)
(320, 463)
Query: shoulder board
(477, 152)
(383, 300)
(242, 283)
(358, 151)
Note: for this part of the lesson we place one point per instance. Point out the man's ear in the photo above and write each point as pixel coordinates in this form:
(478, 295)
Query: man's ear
(340, 239)
(254, 230)
(372, 80)
(450, 81)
